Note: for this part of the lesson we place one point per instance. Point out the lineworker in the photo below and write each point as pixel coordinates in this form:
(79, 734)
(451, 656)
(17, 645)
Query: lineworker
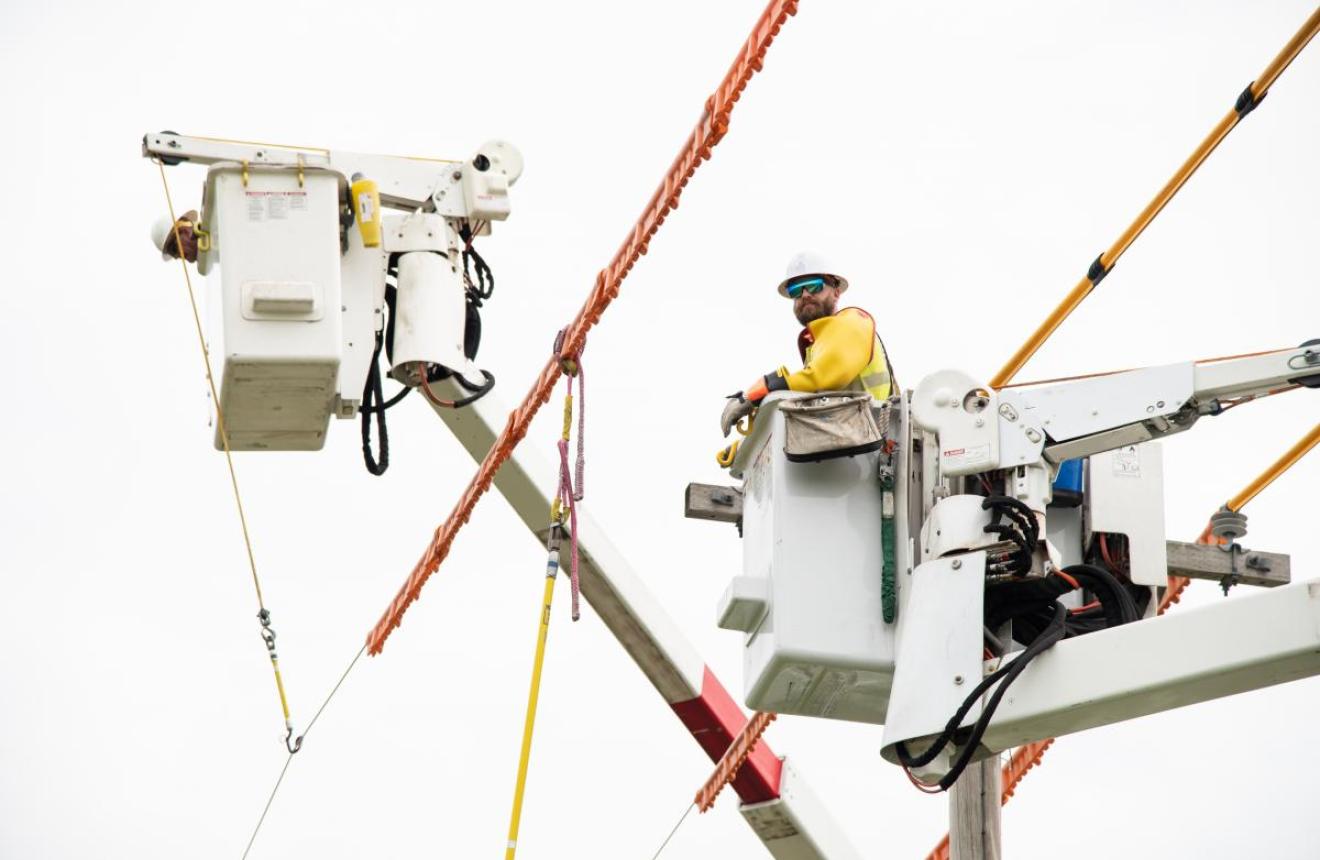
(163, 237)
(840, 349)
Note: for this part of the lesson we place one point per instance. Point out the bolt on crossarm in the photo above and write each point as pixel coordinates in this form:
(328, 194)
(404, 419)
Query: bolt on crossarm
(1103, 264)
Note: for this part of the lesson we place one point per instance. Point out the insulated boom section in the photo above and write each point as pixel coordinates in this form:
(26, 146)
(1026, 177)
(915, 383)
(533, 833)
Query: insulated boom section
(1247, 643)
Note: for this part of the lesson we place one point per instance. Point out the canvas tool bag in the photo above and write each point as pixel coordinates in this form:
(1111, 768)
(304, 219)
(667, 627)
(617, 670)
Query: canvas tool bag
(833, 424)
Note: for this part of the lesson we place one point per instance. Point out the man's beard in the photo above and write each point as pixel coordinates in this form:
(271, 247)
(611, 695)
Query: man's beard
(811, 312)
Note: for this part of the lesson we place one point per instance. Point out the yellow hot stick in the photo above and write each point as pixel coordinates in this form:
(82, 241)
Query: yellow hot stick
(1281, 465)
(1258, 89)
(552, 567)
(279, 682)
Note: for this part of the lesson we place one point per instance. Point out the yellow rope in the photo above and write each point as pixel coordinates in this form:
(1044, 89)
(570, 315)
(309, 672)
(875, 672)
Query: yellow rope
(310, 148)
(224, 435)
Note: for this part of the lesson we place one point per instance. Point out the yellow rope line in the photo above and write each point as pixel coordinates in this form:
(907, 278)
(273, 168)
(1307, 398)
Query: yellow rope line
(310, 148)
(224, 435)
(258, 143)
(210, 380)
(1130, 369)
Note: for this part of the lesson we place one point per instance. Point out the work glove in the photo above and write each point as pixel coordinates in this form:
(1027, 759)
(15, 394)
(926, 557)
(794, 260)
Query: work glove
(736, 409)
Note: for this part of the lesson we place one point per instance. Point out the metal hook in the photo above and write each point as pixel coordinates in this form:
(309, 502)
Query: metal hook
(267, 632)
(294, 745)
(568, 365)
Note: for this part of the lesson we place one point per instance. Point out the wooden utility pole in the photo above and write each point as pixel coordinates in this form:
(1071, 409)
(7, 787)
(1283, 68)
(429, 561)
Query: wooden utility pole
(974, 813)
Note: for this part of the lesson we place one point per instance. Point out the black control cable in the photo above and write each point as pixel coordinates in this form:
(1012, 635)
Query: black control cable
(1004, 677)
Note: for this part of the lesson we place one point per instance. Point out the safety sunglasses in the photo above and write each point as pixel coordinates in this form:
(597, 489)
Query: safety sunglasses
(811, 285)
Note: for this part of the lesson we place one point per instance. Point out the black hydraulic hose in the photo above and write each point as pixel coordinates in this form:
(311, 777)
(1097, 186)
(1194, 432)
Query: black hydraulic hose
(1115, 600)
(1047, 638)
(372, 393)
(476, 389)
(478, 393)
(1023, 600)
(1007, 673)
(1016, 510)
(370, 410)
(1022, 556)
(484, 287)
(1025, 535)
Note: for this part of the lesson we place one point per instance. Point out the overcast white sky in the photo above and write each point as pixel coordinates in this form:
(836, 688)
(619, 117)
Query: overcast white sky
(964, 161)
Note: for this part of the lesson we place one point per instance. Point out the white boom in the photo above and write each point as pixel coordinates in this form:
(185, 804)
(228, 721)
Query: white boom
(405, 183)
(777, 801)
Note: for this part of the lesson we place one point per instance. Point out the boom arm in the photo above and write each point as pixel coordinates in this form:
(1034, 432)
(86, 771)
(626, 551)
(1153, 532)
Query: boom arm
(433, 185)
(1038, 427)
(1140, 405)
(777, 801)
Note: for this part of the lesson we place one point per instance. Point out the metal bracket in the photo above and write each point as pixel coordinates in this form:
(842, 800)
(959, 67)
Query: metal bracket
(713, 502)
(1205, 561)
(1235, 552)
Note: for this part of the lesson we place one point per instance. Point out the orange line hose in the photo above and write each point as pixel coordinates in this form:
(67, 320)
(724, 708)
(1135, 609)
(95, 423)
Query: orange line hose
(710, 129)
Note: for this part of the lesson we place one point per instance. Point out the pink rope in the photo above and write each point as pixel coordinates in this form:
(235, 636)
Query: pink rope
(582, 428)
(568, 498)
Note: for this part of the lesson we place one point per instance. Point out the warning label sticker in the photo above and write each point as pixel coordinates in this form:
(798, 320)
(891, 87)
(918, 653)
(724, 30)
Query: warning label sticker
(1127, 462)
(956, 459)
(274, 205)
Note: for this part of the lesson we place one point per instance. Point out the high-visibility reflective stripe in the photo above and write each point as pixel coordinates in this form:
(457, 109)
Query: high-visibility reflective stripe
(875, 376)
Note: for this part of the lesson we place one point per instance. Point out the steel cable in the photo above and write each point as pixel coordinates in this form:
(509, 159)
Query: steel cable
(681, 819)
(289, 759)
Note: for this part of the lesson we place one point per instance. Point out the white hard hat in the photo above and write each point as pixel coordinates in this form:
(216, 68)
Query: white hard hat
(160, 234)
(806, 264)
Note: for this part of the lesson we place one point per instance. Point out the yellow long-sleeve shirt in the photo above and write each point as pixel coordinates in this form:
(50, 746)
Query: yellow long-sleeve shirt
(839, 352)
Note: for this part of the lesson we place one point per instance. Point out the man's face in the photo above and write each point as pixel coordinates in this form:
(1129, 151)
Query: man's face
(808, 307)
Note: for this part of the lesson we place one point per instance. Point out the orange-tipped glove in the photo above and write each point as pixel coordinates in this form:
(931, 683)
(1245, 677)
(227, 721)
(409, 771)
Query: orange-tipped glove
(736, 409)
(744, 403)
